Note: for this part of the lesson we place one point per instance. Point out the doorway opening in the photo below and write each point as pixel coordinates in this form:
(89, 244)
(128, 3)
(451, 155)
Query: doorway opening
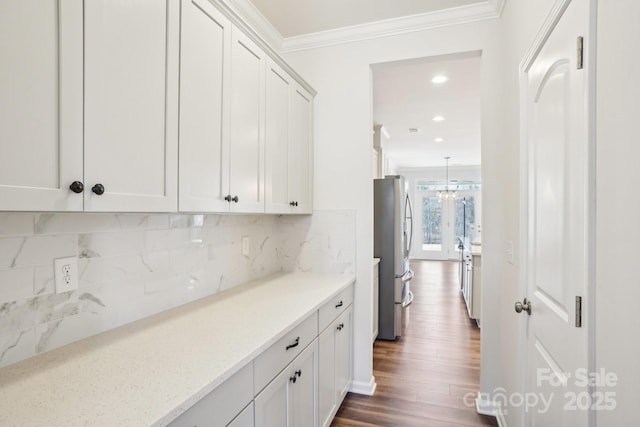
(427, 129)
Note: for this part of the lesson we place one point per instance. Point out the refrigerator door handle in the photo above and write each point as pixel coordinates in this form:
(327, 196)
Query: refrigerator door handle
(406, 276)
(410, 218)
(408, 300)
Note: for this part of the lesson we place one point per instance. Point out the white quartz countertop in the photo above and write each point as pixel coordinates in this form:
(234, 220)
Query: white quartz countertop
(152, 370)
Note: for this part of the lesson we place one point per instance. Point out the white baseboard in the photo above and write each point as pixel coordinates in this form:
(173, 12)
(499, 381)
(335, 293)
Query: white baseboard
(367, 388)
(490, 408)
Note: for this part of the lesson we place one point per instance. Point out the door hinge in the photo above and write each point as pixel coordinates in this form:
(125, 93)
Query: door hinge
(580, 53)
(578, 312)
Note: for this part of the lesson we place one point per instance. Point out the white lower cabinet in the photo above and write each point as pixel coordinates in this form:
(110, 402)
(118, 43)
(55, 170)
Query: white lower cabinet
(299, 381)
(244, 419)
(334, 370)
(290, 399)
(230, 404)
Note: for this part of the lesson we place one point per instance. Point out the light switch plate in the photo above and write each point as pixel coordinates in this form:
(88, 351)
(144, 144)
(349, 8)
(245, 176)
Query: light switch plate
(510, 252)
(66, 274)
(246, 244)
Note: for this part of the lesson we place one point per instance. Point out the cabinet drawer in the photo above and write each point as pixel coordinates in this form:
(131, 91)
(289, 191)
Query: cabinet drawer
(334, 307)
(223, 404)
(268, 364)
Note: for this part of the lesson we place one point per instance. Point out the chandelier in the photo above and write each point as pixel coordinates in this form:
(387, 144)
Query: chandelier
(447, 194)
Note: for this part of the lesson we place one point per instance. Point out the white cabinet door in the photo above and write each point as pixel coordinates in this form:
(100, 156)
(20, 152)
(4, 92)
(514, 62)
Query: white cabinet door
(204, 108)
(290, 400)
(326, 377)
(246, 147)
(300, 151)
(40, 104)
(278, 87)
(244, 419)
(271, 405)
(343, 354)
(304, 391)
(131, 105)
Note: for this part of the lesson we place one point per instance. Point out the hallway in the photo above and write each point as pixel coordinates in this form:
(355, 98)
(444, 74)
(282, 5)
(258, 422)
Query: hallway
(423, 377)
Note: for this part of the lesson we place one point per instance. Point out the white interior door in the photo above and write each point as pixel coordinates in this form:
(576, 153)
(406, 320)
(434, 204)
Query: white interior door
(556, 223)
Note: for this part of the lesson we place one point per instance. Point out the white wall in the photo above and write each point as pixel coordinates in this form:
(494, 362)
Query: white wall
(343, 122)
(617, 231)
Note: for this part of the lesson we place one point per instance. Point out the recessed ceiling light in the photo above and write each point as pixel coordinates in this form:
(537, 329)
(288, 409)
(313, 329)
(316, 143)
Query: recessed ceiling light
(414, 130)
(438, 118)
(439, 139)
(439, 79)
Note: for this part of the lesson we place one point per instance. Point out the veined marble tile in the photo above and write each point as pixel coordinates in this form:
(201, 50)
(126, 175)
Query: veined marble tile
(187, 259)
(63, 331)
(44, 280)
(94, 245)
(16, 224)
(17, 316)
(323, 243)
(16, 346)
(66, 223)
(15, 284)
(186, 221)
(36, 250)
(161, 240)
(121, 268)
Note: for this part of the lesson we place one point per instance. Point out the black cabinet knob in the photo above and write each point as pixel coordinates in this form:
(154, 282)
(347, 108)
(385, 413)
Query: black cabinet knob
(296, 203)
(227, 197)
(98, 189)
(235, 199)
(77, 187)
(298, 373)
(292, 203)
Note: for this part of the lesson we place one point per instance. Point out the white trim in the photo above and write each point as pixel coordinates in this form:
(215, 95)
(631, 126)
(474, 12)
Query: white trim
(489, 9)
(391, 27)
(366, 388)
(491, 409)
(257, 21)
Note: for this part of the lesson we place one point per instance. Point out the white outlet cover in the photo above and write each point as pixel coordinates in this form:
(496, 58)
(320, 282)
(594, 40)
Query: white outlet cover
(66, 274)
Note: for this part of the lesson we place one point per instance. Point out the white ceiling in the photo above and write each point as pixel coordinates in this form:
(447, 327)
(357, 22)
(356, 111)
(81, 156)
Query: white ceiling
(296, 17)
(404, 97)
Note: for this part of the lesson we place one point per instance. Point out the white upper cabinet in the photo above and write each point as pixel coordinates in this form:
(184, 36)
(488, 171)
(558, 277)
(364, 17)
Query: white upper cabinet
(204, 108)
(131, 105)
(288, 144)
(40, 104)
(300, 151)
(279, 86)
(246, 145)
(146, 106)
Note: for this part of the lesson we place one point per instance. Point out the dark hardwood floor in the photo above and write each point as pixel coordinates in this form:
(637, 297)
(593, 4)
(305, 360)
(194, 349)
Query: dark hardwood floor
(423, 377)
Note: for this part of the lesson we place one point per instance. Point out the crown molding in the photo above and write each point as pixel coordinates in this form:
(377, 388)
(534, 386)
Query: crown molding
(489, 9)
(252, 17)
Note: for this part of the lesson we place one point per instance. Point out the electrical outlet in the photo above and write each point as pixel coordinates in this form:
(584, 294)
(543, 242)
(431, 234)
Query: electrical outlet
(246, 244)
(66, 274)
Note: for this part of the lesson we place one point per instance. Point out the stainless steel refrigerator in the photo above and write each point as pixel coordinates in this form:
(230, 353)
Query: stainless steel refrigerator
(393, 226)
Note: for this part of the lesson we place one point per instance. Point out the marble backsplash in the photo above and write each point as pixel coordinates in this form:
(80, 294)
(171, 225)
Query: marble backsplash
(135, 265)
